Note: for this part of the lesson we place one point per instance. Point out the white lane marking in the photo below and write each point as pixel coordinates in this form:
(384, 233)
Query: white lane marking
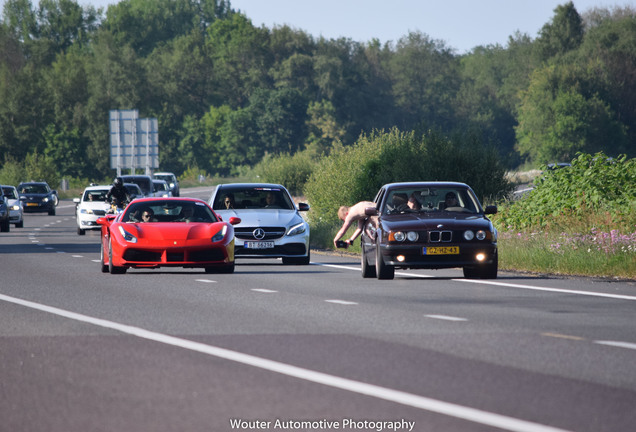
(337, 266)
(400, 397)
(618, 344)
(511, 285)
(96, 261)
(78, 256)
(558, 290)
(342, 302)
(205, 280)
(263, 290)
(446, 317)
(48, 248)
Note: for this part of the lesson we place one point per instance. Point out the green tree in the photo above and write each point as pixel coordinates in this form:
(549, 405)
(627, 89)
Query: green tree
(563, 34)
(561, 115)
(425, 81)
(240, 56)
(41, 168)
(66, 151)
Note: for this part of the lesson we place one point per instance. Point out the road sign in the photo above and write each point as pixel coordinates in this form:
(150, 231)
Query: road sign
(134, 142)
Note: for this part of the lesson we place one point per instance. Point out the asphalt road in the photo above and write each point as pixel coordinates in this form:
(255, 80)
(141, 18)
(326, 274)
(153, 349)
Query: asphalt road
(316, 347)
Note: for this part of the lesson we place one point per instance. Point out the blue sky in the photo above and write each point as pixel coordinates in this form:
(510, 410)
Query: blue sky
(462, 24)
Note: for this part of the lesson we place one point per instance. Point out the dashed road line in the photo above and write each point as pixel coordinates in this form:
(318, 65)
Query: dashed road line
(342, 302)
(618, 344)
(446, 317)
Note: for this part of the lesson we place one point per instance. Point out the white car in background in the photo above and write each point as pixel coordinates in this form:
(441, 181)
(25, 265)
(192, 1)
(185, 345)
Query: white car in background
(91, 206)
(16, 215)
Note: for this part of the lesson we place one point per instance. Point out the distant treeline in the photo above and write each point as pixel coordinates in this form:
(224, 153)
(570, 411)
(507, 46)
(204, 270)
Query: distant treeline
(227, 93)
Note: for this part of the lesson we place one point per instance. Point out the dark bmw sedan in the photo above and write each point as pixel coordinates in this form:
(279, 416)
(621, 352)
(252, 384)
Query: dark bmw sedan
(37, 197)
(429, 225)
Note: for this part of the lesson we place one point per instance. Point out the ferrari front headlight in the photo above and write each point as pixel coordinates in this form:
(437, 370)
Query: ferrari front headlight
(220, 235)
(127, 236)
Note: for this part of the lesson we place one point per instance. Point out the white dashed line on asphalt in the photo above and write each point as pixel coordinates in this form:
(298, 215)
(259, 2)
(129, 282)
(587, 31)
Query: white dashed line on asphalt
(342, 302)
(446, 317)
(617, 344)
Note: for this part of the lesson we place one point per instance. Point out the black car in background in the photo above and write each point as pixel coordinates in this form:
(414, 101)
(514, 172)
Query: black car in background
(143, 181)
(429, 225)
(37, 197)
(169, 178)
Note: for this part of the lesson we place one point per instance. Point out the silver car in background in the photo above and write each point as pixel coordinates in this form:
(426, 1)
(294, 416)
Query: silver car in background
(271, 225)
(16, 215)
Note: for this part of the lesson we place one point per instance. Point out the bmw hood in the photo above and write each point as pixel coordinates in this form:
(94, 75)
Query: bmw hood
(434, 220)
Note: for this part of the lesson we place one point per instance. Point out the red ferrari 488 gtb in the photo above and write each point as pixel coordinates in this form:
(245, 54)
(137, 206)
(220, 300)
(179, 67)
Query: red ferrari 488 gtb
(167, 232)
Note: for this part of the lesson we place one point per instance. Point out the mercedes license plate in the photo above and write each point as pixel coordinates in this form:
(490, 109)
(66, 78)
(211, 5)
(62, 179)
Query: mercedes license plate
(441, 250)
(258, 245)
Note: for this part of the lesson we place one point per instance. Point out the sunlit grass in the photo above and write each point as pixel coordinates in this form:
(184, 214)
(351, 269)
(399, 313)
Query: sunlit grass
(593, 253)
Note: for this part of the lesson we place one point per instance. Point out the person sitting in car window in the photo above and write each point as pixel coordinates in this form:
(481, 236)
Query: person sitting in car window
(148, 216)
(450, 200)
(271, 200)
(228, 201)
(413, 203)
(186, 215)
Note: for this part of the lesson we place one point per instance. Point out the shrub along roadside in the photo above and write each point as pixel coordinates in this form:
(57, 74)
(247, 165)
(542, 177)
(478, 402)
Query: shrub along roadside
(579, 220)
(356, 173)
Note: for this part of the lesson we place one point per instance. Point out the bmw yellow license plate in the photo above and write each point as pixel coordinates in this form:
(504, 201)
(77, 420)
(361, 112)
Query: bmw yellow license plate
(441, 250)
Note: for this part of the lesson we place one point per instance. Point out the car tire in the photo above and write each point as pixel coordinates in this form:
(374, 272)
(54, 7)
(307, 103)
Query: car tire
(368, 270)
(52, 212)
(227, 269)
(6, 226)
(80, 231)
(382, 270)
(20, 224)
(102, 255)
(297, 260)
(112, 268)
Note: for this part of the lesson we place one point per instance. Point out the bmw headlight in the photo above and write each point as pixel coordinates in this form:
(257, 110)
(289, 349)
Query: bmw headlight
(127, 236)
(469, 235)
(398, 236)
(297, 229)
(220, 235)
(412, 236)
(481, 235)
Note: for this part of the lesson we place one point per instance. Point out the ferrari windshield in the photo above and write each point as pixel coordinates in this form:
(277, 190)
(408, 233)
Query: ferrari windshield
(426, 199)
(168, 211)
(252, 198)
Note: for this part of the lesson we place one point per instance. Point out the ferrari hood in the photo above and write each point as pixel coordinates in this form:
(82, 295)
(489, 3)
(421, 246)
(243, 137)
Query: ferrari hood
(173, 230)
